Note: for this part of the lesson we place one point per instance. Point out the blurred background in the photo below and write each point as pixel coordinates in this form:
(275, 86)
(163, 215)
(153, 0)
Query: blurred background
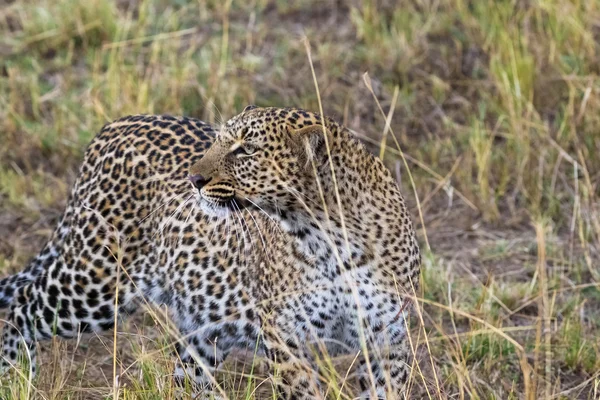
(495, 106)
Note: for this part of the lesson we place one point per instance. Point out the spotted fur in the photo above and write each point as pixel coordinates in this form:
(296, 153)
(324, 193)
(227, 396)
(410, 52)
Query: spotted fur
(275, 230)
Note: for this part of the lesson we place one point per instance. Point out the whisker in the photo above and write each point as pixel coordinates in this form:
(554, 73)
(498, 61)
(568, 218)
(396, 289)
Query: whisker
(264, 212)
(237, 214)
(237, 233)
(177, 211)
(277, 210)
(239, 243)
(218, 118)
(221, 120)
(228, 231)
(182, 232)
(238, 211)
(260, 235)
(165, 203)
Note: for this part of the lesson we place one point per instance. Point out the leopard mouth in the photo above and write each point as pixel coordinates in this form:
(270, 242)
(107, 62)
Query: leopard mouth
(223, 206)
(218, 196)
(242, 203)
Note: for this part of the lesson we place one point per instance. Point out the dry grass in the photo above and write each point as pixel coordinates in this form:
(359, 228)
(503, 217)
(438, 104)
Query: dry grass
(496, 105)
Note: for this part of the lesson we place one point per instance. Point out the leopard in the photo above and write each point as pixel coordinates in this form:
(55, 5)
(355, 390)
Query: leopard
(277, 229)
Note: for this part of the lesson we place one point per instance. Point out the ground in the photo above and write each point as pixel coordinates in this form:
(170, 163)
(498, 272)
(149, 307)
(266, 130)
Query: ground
(494, 134)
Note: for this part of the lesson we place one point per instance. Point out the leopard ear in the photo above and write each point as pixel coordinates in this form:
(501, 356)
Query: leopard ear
(250, 107)
(309, 144)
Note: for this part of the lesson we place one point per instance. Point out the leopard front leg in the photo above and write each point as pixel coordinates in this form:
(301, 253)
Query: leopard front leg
(286, 343)
(385, 374)
(294, 376)
(200, 352)
(384, 368)
(197, 357)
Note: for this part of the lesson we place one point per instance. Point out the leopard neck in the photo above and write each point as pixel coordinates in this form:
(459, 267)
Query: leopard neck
(347, 210)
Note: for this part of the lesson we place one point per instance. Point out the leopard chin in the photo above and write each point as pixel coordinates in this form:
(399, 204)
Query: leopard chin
(221, 210)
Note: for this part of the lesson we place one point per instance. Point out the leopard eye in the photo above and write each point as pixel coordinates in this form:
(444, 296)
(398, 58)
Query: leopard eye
(244, 151)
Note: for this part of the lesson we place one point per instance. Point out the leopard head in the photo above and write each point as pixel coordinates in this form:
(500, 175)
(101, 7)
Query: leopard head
(264, 158)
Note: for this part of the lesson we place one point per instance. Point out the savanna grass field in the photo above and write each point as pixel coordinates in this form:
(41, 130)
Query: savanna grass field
(487, 112)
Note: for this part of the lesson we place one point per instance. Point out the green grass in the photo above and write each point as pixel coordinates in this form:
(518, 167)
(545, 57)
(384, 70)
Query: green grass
(498, 114)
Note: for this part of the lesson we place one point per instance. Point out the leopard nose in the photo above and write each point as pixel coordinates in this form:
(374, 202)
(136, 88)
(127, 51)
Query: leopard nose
(198, 180)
